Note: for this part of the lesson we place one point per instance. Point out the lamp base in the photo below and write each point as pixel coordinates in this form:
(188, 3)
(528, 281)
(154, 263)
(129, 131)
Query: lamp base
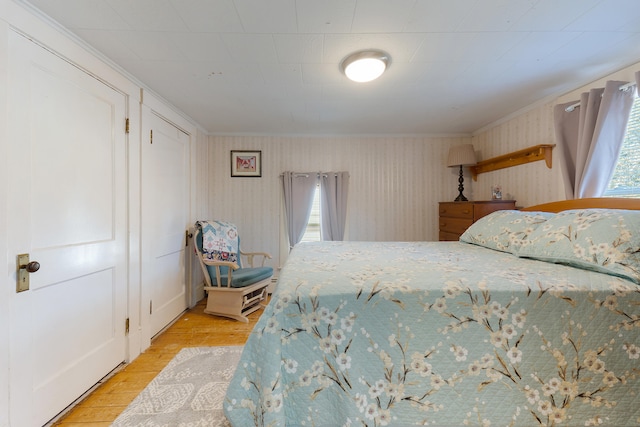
(461, 197)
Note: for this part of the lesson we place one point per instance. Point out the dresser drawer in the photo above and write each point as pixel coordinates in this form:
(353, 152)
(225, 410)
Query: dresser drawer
(456, 217)
(456, 210)
(454, 225)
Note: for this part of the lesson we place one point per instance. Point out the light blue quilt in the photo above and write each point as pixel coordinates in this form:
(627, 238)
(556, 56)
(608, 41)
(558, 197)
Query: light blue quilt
(439, 333)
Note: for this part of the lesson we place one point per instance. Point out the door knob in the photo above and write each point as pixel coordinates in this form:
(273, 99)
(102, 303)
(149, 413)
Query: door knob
(32, 267)
(24, 268)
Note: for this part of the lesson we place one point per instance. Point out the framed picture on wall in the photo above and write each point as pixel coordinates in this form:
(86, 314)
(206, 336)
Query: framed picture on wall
(246, 163)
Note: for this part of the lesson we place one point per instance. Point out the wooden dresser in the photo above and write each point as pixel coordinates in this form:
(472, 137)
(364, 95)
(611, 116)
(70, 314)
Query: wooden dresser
(456, 217)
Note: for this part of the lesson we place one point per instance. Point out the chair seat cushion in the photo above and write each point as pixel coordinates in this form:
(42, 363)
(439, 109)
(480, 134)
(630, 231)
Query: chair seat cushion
(244, 276)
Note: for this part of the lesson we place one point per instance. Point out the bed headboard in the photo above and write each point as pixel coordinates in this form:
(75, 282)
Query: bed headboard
(589, 203)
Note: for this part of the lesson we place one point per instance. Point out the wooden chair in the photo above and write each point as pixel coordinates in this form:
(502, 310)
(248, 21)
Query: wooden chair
(233, 290)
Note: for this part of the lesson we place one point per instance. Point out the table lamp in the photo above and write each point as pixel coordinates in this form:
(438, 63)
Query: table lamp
(459, 156)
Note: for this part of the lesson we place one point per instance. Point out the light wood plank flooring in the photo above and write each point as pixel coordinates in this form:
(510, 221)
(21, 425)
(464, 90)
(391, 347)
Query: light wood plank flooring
(193, 329)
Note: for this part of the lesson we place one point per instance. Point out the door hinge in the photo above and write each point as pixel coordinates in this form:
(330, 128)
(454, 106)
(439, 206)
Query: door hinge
(150, 307)
(151, 136)
(126, 326)
(126, 125)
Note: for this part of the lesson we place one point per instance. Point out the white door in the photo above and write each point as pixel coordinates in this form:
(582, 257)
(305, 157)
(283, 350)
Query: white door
(67, 210)
(165, 216)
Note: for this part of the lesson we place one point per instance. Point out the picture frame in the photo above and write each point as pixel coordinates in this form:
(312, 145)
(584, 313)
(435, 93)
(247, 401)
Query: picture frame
(246, 163)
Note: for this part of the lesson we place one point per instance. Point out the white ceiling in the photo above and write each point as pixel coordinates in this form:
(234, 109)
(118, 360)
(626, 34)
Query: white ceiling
(272, 67)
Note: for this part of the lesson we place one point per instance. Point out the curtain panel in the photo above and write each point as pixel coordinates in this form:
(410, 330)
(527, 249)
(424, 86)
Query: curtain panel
(334, 187)
(299, 189)
(590, 138)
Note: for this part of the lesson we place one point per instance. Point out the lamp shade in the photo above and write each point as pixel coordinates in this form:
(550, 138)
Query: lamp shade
(461, 155)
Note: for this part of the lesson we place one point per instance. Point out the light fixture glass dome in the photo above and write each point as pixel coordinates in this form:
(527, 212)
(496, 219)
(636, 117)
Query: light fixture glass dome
(365, 66)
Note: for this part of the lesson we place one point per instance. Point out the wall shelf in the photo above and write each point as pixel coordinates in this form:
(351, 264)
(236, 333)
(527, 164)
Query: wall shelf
(520, 157)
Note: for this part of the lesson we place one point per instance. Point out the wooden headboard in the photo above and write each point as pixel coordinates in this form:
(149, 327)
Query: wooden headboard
(600, 202)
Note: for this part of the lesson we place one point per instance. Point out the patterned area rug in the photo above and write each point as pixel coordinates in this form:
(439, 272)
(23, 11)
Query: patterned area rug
(189, 391)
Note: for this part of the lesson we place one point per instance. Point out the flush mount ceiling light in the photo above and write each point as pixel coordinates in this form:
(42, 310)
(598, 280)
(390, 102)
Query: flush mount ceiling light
(365, 66)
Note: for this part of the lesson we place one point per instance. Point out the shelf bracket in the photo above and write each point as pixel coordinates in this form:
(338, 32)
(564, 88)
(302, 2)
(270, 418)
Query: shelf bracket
(520, 157)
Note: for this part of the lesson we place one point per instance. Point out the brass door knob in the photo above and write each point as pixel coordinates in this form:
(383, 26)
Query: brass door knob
(32, 267)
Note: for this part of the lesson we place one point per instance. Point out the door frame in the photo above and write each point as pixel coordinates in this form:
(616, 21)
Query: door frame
(6, 292)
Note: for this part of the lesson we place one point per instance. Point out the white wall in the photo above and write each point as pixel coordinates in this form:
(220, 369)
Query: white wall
(201, 189)
(529, 184)
(395, 185)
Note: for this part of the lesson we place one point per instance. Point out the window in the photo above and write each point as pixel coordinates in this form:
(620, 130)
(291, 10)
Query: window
(626, 176)
(312, 232)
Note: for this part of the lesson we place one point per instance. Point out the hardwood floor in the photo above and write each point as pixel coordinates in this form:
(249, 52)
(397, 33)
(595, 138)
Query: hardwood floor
(193, 329)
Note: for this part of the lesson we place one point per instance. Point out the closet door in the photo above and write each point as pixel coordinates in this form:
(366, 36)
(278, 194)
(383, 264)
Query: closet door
(165, 217)
(67, 210)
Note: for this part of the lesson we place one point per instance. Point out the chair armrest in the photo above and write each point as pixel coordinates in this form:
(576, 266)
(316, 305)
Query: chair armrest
(251, 255)
(214, 263)
(217, 264)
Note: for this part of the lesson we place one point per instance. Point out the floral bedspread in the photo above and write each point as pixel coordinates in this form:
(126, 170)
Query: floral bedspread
(439, 333)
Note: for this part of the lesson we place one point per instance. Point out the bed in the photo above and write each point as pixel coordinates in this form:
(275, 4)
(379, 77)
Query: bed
(533, 318)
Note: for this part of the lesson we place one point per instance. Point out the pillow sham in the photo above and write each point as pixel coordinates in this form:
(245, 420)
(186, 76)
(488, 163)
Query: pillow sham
(504, 230)
(602, 240)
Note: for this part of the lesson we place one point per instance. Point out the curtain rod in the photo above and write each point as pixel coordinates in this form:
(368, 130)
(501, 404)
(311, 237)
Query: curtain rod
(298, 175)
(306, 175)
(622, 88)
(572, 107)
(627, 86)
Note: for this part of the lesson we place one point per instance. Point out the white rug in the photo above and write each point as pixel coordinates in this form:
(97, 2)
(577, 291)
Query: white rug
(189, 391)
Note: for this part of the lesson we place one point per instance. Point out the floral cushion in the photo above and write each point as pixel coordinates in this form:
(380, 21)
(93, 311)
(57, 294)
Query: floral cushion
(602, 240)
(504, 230)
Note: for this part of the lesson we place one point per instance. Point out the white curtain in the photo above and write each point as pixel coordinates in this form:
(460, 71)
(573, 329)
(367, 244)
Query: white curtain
(334, 188)
(299, 189)
(590, 138)
(638, 82)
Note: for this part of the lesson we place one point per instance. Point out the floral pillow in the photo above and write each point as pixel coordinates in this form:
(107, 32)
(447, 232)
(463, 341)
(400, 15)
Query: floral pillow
(603, 240)
(504, 230)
